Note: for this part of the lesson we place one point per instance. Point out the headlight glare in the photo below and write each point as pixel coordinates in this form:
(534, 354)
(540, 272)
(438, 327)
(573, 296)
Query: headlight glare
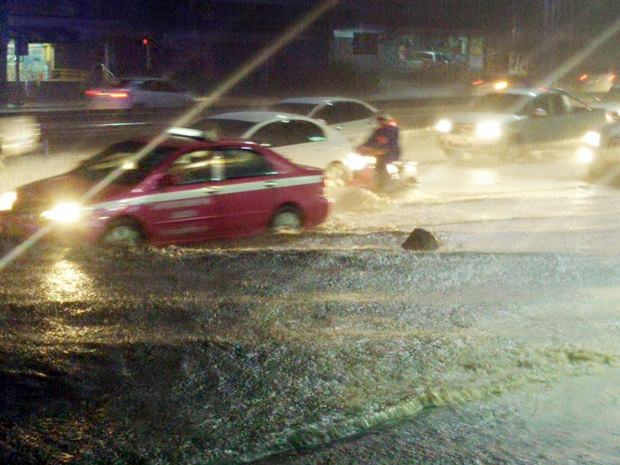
(356, 162)
(66, 212)
(444, 126)
(7, 200)
(592, 138)
(489, 130)
(585, 156)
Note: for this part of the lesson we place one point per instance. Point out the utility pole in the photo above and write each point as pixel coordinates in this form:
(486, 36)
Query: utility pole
(4, 41)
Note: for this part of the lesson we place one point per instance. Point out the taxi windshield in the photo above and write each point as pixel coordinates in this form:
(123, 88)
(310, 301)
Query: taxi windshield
(122, 155)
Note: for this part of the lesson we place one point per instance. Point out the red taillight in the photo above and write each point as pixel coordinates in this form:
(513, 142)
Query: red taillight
(583, 77)
(613, 77)
(100, 93)
(478, 82)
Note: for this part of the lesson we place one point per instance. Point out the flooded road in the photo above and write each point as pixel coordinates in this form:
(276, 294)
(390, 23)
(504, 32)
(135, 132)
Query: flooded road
(334, 346)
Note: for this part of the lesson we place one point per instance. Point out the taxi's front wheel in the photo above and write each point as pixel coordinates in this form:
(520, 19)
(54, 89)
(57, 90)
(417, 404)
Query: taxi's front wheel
(286, 220)
(123, 233)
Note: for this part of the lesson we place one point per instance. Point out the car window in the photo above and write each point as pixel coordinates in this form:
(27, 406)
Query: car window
(244, 163)
(272, 135)
(301, 132)
(330, 113)
(343, 112)
(222, 128)
(557, 104)
(197, 167)
(292, 107)
(423, 56)
(122, 156)
(355, 111)
(147, 85)
(544, 102)
(573, 105)
(163, 86)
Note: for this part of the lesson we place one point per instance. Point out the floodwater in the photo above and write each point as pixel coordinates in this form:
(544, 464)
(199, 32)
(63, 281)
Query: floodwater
(334, 346)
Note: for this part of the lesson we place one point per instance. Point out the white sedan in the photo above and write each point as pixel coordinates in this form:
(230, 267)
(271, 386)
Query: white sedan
(302, 140)
(353, 118)
(138, 93)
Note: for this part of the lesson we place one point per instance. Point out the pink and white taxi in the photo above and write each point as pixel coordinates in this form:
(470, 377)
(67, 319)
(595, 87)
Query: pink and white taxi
(182, 191)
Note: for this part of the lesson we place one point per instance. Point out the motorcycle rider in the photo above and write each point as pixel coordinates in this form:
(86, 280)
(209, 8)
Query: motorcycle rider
(384, 145)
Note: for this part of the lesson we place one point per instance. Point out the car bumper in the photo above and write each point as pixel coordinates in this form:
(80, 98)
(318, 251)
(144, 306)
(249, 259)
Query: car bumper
(464, 143)
(20, 226)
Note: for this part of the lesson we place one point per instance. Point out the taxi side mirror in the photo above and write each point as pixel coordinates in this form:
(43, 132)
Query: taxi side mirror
(168, 180)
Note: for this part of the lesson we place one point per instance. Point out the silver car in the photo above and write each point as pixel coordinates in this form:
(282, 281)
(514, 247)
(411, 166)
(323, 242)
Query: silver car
(516, 122)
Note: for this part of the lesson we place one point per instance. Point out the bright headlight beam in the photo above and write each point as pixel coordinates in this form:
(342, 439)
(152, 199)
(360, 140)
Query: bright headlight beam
(7, 200)
(66, 212)
(488, 130)
(244, 71)
(585, 156)
(444, 126)
(592, 138)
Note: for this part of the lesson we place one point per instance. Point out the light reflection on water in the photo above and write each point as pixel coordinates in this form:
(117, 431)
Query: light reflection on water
(66, 281)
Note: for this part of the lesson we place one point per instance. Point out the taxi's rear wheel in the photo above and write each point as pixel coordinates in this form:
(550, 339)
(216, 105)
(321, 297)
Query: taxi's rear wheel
(123, 233)
(286, 220)
(336, 175)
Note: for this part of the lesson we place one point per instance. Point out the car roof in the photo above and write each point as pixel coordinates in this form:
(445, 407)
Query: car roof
(259, 116)
(320, 100)
(180, 142)
(528, 91)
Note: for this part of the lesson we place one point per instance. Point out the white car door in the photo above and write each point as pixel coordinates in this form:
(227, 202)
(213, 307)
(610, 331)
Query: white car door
(302, 142)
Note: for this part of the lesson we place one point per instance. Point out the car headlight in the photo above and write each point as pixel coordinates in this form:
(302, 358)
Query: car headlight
(444, 126)
(500, 85)
(66, 212)
(489, 130)
(356, 162)
(585, 156)
(592, 138)
(7, 200)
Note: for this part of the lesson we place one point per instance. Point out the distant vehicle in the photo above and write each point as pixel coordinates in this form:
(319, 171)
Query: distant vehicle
(18, 135)
(590, 79)
(303, 140)
(130, 93)
(182, 191)
(513, 123)
(426, 61)
(483, 84)
(353, 118)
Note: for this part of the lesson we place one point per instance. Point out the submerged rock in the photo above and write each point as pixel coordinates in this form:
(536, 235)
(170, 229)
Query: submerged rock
(420, 239)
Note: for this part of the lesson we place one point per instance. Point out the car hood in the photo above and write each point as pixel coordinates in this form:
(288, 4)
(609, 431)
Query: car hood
(474, 117)
(42, 194)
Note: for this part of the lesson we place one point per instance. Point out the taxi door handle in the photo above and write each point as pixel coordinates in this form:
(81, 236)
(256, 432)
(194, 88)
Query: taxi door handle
(210, 190)
(271, 184)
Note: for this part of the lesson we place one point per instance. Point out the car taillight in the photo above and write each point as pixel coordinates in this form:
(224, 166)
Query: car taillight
(583, 77)
(478, 82)
(100, 93)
